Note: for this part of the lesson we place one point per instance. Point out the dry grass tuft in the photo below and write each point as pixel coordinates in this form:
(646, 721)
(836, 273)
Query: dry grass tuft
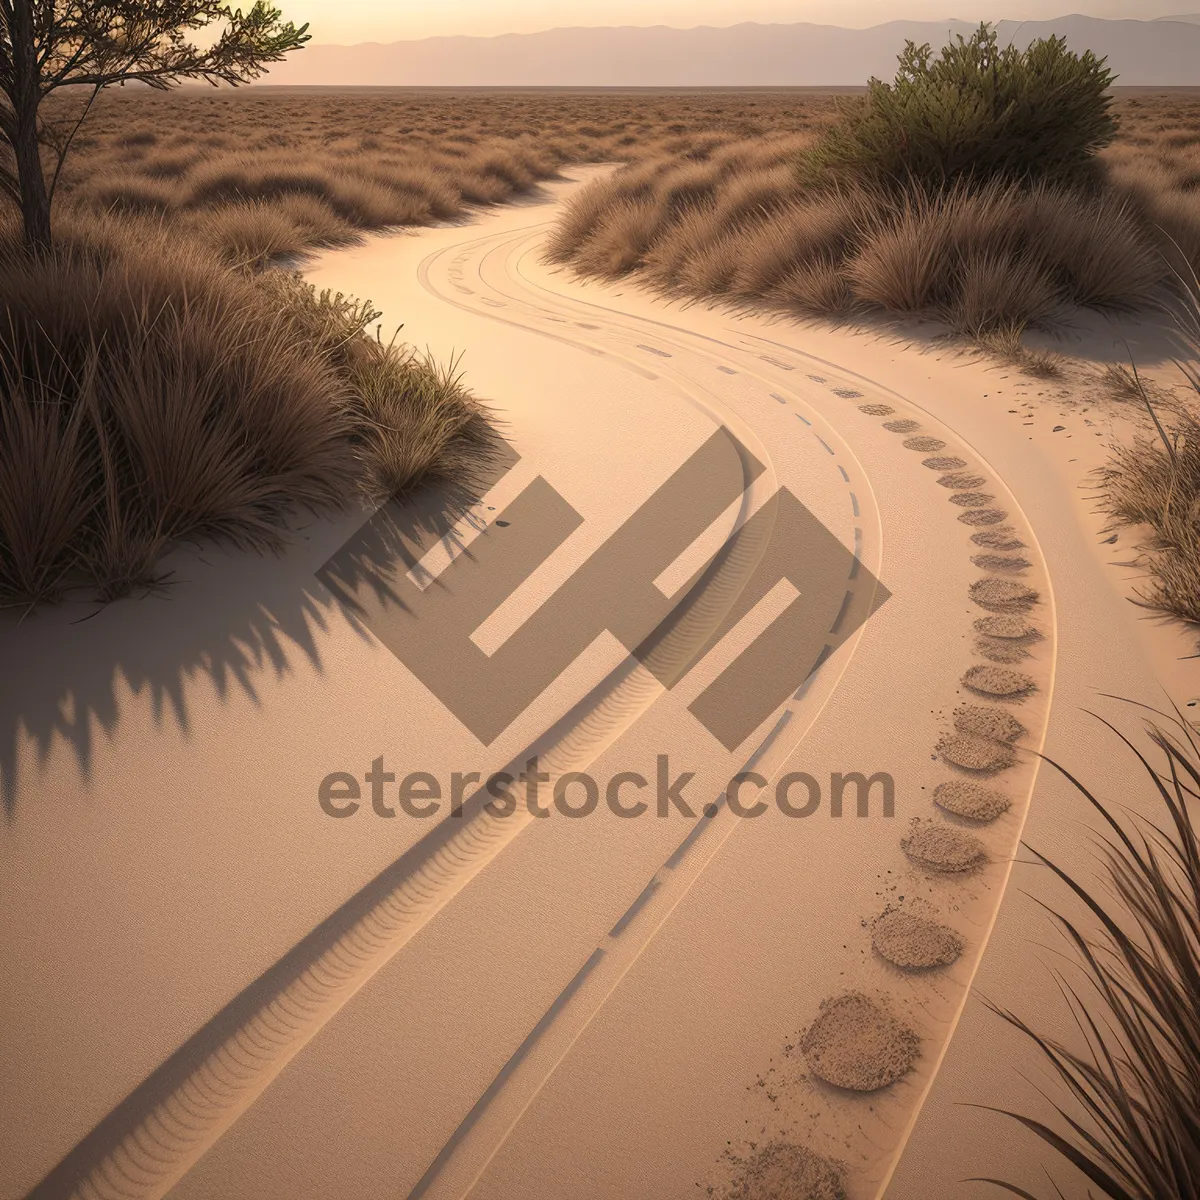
(149, 395)
(1137, 1076)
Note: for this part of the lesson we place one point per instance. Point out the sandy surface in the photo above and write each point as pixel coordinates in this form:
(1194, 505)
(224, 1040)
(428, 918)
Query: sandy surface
(587, 1008)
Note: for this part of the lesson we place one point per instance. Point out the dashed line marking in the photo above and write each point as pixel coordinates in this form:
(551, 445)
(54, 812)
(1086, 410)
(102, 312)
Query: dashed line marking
(466, 291)
(585, 325)
(823, 442)
(858, 544)
(493, 303)
(777, 396)
(727, 370)
(843, 471)
(804, 419)
(854, 504)
(654, 350)
(842, 611)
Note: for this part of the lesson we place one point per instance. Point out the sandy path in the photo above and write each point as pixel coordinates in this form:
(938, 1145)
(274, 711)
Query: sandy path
(603, 1009)
(596, 1048)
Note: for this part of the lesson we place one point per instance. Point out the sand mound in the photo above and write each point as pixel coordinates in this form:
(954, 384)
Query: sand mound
(971, 499)
(913, 942)
(1001, 562)
(785, 1171)
(966, 799)
(943, 464)
(961, 479)
(996, 681)
(983, 516)
(998, 539)
(876, 410)
(939, 847)
(1002, 626)
(1002, 595)
(997, 650)
(855, 1044)
(925, 444)
(988, 722)
(975, 753)
(902, 426)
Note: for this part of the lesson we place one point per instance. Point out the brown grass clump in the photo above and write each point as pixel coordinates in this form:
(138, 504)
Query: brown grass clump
(856, 1044)
(987, 721)
(876, 410)
(902, 426)
(971, 752)
(915, 943)
(786, 1171)
(923, 444)
(1135, 934)
(1156, 484)
(964, 798)
(943, 463)
(995, 681)
(149, 395)
(942, 848)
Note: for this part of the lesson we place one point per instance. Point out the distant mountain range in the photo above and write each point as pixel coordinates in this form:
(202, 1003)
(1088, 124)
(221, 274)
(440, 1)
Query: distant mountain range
(1159, 52)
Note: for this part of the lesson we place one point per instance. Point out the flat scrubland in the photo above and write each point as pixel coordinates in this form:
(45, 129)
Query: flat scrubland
(203, 192)
(264, 172)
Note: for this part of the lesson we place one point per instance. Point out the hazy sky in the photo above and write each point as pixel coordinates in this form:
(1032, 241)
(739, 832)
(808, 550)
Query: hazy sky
(348, 21)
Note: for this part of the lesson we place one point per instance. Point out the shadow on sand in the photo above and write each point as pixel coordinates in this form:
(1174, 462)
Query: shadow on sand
(236, 618)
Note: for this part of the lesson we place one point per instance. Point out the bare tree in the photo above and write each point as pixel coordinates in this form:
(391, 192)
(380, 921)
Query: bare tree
(87, 45)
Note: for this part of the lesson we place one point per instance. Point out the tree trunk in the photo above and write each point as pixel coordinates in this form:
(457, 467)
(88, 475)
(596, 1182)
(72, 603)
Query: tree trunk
(26, 97)
(35, 202)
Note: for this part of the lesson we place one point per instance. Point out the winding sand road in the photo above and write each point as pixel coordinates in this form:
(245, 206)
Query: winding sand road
(562, 1008)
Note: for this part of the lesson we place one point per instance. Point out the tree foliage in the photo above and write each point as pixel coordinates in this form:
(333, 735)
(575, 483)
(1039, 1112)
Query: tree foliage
(975, 111)
(88, 45)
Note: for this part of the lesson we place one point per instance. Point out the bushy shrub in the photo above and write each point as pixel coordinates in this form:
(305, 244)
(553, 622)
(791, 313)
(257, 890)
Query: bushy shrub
(150, 395)
(975, 111)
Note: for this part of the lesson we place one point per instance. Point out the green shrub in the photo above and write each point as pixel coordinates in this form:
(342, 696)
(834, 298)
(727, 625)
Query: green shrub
(977, 112)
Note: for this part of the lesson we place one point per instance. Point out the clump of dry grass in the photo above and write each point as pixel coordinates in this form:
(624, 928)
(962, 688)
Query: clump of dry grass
(989, 262)
(1156, 484)
(1135, 1087)
(316, 167)
(149, 395)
